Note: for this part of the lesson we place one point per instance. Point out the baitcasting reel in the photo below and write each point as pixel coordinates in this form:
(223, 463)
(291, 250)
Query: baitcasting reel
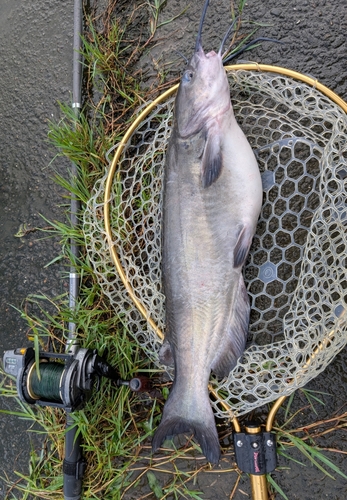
(62, 380)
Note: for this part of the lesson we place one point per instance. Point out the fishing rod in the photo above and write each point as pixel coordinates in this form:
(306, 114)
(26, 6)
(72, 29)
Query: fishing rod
(74, 465)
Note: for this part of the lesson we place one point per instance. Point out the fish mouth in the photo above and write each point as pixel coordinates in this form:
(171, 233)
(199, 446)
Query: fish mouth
(201, 54)
(212, 53)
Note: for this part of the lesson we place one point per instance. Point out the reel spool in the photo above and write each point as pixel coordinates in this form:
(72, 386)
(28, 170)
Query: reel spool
(296, 273)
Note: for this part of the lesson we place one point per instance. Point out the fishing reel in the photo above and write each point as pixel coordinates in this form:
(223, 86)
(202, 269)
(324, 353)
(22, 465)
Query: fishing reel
(62, 380)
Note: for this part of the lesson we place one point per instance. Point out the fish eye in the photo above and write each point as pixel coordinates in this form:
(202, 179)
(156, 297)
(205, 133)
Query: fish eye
(188, 75)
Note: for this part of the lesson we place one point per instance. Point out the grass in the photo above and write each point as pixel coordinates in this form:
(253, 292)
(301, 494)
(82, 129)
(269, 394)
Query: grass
(301, 445)
(116, 425)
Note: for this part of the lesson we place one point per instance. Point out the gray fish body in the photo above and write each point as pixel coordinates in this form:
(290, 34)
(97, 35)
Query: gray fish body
(212, 200)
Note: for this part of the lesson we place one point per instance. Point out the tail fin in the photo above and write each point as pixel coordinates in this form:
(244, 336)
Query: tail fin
(202, 425)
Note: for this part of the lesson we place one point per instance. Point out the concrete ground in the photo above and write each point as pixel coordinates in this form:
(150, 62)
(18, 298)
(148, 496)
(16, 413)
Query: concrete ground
(36, 73)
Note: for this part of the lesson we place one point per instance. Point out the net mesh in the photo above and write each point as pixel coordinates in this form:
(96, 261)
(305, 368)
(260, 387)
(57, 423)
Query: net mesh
(296, 273)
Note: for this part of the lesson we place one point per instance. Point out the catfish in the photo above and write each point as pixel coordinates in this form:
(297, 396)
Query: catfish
(212, 197)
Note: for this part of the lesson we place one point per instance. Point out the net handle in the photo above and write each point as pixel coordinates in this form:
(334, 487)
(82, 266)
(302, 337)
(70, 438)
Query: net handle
(108, 187)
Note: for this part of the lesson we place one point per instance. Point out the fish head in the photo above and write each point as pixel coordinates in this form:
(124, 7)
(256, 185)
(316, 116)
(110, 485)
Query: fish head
(203, 94)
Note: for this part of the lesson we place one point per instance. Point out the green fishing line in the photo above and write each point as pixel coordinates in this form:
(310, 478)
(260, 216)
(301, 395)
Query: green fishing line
(47, 388)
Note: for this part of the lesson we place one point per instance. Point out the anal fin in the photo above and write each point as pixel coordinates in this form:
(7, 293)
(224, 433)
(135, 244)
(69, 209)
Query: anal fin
(233, 344)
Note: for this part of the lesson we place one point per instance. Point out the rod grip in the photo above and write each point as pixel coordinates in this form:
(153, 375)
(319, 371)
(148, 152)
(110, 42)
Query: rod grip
(73, 465)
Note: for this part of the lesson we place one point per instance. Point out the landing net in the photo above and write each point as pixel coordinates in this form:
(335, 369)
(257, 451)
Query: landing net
(296, 273)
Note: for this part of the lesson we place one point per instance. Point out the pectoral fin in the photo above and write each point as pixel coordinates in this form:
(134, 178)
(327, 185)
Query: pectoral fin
(212, 161)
